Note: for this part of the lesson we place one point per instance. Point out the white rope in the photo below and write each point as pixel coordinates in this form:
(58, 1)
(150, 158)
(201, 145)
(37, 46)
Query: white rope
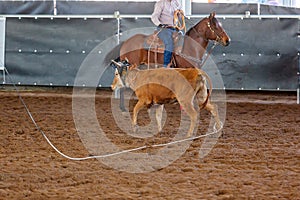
(150, 46)
(105, 155)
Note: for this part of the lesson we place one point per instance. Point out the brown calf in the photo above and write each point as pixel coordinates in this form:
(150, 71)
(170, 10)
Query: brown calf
(162, 85)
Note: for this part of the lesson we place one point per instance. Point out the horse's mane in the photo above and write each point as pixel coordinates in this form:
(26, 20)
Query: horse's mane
(192, 28)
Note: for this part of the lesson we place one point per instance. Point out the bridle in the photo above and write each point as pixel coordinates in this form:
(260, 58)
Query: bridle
(201, 62)
(214, 31)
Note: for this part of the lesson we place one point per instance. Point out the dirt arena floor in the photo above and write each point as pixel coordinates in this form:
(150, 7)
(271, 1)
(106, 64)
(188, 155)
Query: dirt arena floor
(257, 157)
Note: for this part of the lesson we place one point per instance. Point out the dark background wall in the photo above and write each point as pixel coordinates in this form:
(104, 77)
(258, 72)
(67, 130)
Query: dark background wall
(73, 7)
(50, 50)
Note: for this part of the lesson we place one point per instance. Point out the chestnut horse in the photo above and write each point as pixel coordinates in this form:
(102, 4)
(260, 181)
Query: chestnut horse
(194, 45)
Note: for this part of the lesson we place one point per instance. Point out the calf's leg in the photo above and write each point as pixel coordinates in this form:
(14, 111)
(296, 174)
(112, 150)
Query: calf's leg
(213, 109)
(192, 113)
(158, 115)
(139, 105)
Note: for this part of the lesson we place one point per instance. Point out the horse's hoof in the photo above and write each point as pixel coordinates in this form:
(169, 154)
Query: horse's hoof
(123, 109)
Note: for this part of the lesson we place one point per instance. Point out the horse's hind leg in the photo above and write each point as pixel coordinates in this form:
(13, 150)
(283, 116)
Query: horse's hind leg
(122, 106)
(213, 109)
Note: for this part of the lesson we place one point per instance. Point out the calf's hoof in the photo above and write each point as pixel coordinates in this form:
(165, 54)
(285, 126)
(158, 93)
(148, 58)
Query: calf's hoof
(135, 128)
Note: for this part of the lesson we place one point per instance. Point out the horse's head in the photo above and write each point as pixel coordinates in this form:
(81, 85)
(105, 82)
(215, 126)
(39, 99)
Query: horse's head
(215, 30)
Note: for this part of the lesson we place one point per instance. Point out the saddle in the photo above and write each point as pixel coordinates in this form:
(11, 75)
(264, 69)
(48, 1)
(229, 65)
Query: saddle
(156, 45)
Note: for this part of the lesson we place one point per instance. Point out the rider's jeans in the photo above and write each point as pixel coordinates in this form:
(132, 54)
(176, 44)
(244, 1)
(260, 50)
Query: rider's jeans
(166, 36)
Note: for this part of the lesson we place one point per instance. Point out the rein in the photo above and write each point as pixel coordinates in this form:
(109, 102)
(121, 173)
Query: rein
(200, 62)
(149, 50)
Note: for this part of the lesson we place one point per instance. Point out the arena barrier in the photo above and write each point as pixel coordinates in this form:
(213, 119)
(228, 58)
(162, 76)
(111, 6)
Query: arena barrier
(2, 47)
(47, 49)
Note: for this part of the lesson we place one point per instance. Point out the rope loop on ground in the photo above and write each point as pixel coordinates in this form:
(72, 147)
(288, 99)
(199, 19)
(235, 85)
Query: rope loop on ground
(105, 155)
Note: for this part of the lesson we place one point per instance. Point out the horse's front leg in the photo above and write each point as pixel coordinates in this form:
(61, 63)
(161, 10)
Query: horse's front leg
(122, 106)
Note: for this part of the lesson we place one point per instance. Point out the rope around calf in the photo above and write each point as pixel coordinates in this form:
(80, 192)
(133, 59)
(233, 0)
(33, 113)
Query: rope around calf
(105, 155)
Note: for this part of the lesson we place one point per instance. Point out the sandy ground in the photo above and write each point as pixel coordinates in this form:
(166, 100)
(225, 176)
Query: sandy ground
(257, 157)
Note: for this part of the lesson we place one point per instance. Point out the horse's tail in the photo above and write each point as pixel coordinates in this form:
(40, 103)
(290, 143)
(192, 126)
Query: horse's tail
(114, 54)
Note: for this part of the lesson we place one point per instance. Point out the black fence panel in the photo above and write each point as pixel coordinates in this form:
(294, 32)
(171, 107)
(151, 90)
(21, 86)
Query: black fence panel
(26, 7)
(69, 7)
(278, 10)
(50, 51)
(103, 8)
(204, 8)
(262, 54)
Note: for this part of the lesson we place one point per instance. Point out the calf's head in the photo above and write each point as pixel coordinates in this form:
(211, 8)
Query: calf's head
(121, 69)
(117, 81)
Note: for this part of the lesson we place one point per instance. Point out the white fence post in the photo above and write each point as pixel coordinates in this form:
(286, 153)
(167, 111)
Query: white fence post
(298, 68)
(117, 16)
(2, 45)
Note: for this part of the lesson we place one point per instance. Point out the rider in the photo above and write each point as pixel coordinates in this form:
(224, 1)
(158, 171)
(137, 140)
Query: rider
(163, 17)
